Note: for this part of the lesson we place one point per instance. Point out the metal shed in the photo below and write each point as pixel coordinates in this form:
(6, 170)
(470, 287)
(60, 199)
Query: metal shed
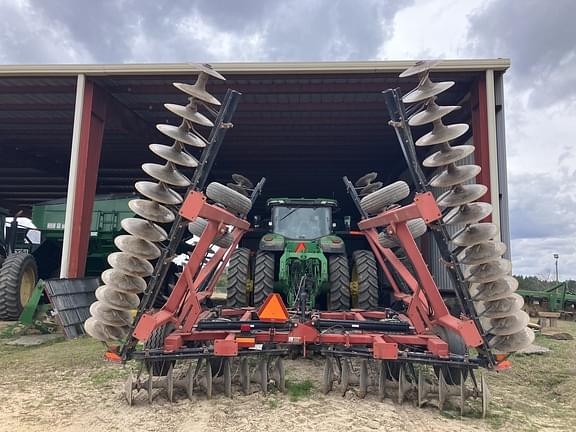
(76, 130)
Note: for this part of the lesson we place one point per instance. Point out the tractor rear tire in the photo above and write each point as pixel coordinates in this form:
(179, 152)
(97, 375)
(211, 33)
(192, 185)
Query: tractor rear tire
(456, 345)
(156, 341)
(263, 277)
(232, 200)
(198, 226)
(377, 201)
(18, 277)
(238, 278)
(339, 275)
(365, 271)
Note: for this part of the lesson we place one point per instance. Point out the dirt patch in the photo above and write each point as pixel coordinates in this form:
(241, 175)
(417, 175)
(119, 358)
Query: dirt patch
(65, 386)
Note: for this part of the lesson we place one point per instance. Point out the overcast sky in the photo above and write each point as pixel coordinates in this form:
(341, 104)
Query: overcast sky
(538, 36)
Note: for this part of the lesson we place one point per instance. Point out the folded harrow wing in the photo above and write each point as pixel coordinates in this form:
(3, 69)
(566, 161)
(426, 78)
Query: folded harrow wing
(189, 345)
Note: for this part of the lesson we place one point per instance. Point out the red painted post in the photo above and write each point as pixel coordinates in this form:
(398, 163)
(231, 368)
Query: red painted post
(480, 136)
(91, 136)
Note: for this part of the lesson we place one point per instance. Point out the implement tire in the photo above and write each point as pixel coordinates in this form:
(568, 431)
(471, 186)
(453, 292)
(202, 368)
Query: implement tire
(263, 277)
(156, 341)
(377, 201)
(18, 277)
(232, 200)
(339, 276)
(456, 345)
(238, 278)
(365, 273)
(197, 227)
(417, 228)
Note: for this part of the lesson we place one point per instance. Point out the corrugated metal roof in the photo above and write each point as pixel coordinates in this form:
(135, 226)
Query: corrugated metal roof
(302, 125)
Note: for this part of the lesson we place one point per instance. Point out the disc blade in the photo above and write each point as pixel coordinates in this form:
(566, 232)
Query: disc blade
(182, 135)
(130, 264)
(144, 229)
(366, 179)
(426, 90)
(419, 67)
(104, 333)
(158, 192)
(502, 307)
(137, 246)
(514, 342)
(166, 174)
(431, 113)
(495, 290)
(151, 210)
(441, 134)
(174, 154)
(455, 175)
(461, 194)
(372, 187)
(448, 155)
(111, 317)
(475, 233)
(243, 181)
(510, 324)
(123, 282)
(189, 113)
(468, 213)
(482, 252)
(198, 92)
(488, 272)
(115, 299)
(208, 69)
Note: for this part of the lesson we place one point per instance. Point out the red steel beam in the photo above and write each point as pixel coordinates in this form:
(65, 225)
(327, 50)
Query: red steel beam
(91, 136)
(480, 136)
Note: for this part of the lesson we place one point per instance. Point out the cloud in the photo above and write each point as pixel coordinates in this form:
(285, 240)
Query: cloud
(430, 29)
(28, 36)
(116, 31)
(539, 37)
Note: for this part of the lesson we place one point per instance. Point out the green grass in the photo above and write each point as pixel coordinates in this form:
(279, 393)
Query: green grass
(538, 391)
(103, 377)
(80, 353)
(299, 389)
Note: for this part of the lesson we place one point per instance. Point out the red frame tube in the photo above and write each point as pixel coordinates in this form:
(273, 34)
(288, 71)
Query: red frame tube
(425, 306)
(183, 307)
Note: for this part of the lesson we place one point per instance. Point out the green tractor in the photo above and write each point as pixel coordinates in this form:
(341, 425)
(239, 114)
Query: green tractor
(302, 259)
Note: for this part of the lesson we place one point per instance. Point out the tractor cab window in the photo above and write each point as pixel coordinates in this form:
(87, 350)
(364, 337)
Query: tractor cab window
(302, 222)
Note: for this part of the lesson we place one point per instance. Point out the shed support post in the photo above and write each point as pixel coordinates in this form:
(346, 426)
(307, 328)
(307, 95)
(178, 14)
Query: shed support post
(482, 106)
(89, 123)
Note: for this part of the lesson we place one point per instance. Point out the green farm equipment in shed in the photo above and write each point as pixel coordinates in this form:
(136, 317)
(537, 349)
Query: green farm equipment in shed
(23, 263)
(48, 217)
(302, 259)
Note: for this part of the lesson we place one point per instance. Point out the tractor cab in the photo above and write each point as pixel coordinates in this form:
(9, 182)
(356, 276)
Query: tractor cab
(301, 223)
(301, 219)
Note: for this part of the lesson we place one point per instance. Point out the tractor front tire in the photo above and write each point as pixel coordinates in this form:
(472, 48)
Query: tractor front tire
(238, 278)
(263, 277)
(339, 275)
(365, 273)
(18, 277)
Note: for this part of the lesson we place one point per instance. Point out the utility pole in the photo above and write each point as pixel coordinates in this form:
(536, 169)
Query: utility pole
(556, 256)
